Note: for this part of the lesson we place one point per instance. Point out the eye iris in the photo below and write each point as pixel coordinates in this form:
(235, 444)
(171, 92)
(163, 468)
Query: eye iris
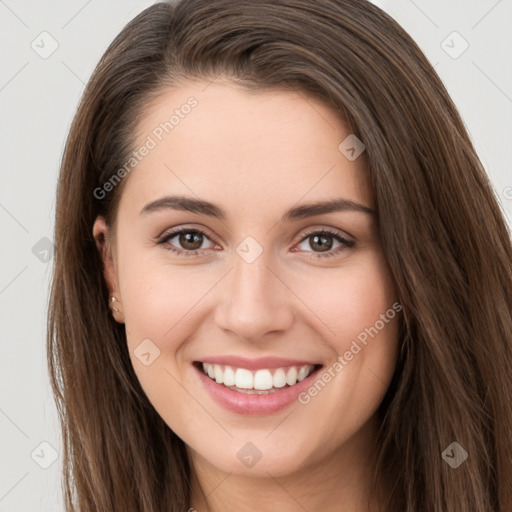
(323, 242)
(190, 238)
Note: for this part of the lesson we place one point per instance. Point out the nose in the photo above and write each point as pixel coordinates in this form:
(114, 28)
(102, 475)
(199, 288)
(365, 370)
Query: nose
(254, 301)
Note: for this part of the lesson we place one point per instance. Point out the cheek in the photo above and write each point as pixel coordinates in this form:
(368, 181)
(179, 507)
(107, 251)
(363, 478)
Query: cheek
(353, 309)
(357, 318)
(347, 300)
(159, 300)
(158, 305)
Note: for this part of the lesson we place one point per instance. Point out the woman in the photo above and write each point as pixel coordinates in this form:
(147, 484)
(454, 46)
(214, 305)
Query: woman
(282, 280)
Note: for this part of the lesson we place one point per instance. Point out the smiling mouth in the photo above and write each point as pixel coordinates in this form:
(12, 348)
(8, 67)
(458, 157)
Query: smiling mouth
(259, 382)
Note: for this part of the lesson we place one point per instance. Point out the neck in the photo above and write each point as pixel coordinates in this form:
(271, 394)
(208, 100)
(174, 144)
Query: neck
(339, 481)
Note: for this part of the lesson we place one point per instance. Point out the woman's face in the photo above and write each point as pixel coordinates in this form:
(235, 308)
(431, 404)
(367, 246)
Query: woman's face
(261, 284)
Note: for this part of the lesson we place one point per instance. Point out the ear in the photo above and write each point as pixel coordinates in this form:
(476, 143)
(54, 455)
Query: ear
(104, 244)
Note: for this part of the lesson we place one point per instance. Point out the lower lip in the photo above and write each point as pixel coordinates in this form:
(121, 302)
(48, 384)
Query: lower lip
(254, 404)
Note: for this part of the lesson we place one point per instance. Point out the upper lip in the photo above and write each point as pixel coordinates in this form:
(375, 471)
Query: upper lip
(256, 363)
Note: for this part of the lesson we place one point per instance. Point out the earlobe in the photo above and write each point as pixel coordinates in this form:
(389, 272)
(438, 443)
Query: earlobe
(115, 307)
(101, 238)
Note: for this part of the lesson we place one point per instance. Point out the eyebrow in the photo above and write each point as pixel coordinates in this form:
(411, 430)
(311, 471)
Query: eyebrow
(297, 212)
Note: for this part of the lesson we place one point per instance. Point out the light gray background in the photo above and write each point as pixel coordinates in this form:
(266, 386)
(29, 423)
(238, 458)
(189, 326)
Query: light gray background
(38, 97)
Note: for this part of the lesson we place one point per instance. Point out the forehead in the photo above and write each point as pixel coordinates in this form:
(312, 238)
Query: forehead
(218, 141)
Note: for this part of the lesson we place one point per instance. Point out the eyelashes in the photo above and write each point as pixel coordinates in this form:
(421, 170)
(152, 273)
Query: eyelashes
(183, 231)
(317, 237)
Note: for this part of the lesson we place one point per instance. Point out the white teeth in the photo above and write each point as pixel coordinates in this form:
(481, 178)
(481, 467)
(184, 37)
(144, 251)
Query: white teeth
(219, 377)
(244, 379)
(260, 380)
(291, 376)
(229, 376)
(279, 378)
(303, 372)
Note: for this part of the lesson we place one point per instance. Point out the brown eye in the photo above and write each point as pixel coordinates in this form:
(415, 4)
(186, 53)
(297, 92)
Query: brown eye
(191, 240)
(322, 243)
(187, 242)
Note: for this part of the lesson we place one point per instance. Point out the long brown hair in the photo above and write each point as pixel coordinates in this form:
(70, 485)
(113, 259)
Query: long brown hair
(442, 232)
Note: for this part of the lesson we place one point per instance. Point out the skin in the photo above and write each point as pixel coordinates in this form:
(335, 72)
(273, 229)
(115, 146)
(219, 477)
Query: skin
(256, 155)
